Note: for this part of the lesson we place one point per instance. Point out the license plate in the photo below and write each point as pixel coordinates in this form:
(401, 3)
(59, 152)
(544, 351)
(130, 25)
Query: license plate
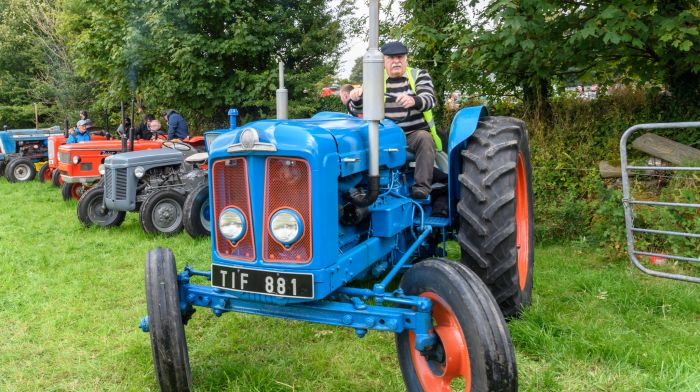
(279, 284)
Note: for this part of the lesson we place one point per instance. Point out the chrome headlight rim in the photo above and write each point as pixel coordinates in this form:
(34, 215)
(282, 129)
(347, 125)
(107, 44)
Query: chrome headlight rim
(139, 171)
(286, 213)
(233, 214)
(76, 159)
(249, 138)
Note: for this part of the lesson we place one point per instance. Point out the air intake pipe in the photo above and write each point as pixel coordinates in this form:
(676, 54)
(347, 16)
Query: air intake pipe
(282, 96)
(373, 105)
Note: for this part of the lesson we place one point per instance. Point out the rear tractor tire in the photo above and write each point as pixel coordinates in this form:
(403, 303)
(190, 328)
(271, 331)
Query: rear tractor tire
(20, 170)
(496, 231)
(91, 210)
(473, 351)
(162, 213)
(197, 214)
(165, 322)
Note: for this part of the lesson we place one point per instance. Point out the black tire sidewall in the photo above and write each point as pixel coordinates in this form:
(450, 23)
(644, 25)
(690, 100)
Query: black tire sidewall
(42, 172)
(83, 209)
(9, 172)
(483, 326)
(56, 178)
(192, 210)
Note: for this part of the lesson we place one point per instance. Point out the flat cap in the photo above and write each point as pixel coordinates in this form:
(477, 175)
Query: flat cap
(85, 122)
(394, 48)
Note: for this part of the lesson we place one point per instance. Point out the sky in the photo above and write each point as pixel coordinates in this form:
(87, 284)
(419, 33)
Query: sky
(357, 45)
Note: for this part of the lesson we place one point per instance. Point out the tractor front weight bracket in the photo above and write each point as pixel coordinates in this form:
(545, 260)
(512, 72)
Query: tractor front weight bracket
(413, 314)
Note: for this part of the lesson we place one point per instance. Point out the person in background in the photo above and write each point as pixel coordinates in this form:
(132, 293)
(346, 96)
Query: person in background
(82, 135)
(143, 132)
(177, 126)
(123, 129)
(410, 97)
(344, 94)
(83, 116)
(156, 132)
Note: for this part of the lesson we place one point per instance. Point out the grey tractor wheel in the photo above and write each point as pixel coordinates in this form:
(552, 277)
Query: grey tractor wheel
(20, 170)
(91, 210)
(73, 190)
(44, 174)
(497, 230)
(196, 210)
(56, 178)
(162, 212)
(473, 351)
(168, 341)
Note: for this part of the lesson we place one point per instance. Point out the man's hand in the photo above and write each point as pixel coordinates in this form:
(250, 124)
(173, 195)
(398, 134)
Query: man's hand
(406, 101)
(356, 94)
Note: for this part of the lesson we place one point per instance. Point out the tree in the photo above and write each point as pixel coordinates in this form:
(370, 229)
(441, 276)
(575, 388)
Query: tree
(203, 56)
(356, 72)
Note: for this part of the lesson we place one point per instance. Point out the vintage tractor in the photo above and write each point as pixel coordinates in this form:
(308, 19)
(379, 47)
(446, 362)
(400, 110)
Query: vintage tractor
(22, 149)
(49, 170)
(167, 186)
(305, 212)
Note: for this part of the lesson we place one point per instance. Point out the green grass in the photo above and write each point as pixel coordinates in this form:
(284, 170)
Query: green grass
(71, 299)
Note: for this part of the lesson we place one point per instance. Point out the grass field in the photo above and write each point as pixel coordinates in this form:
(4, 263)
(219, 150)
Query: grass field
(71, 299)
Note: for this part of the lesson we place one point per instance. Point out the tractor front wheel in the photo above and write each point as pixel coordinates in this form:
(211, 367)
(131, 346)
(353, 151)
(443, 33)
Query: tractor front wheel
(56, 179)
(496, 225)
(92, 211)
(473, 350)
(162, 213)
(73, 190)
(44, 174)
(197, 219)
(168, 341)
(20, 170)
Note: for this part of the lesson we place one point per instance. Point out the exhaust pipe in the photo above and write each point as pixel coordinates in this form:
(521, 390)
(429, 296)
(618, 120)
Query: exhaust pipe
(66, 132)
(373, 105)
(131, 127)
(123, 136)
(282, 96)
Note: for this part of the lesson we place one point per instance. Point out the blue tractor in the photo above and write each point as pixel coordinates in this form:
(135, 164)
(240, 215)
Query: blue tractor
(312, 220)
(21, 149)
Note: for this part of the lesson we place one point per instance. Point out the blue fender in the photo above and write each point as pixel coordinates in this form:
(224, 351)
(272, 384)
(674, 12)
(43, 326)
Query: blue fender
(463, 125)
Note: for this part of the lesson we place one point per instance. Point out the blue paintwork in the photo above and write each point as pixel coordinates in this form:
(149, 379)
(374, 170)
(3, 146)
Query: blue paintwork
(463, 125)
(9, 139)
(335, 147)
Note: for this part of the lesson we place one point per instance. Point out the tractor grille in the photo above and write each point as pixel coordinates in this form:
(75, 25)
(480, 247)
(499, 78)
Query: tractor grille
(109, 187)
(63, 157)
(230, 189)
(288, 186)
(120, 184)
(50, 149)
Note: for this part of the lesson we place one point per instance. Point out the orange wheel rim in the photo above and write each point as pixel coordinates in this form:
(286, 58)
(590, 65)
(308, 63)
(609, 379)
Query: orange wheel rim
(74, 191)
(522, 221)
(47, 175)
(437, 374)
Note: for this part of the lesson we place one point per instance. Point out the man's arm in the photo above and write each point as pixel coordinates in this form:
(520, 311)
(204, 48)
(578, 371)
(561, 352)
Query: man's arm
(425, 92)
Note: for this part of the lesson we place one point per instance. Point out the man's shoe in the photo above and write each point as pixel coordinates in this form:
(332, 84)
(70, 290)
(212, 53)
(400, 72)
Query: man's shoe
(419, 194)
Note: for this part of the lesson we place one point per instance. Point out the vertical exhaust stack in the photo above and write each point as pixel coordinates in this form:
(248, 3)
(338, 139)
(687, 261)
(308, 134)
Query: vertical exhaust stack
(232, 114)
(372, 105)
(131, 127)
(282, 94)
(123, 135)
(66, 132)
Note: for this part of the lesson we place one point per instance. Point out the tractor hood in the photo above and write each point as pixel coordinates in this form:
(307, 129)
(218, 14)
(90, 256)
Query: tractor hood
(107, 145)
(325, 133)
(147, 158)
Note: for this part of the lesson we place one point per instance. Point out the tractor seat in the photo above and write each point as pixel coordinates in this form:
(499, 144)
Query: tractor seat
(440, 160)
(197, 157)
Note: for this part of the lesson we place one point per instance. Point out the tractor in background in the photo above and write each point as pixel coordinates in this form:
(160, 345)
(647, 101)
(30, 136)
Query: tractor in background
(167, 186)
(312, 220)
(22, 149)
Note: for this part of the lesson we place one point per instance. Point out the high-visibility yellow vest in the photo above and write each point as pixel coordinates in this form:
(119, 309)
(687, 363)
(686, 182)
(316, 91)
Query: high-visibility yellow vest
(411, 74)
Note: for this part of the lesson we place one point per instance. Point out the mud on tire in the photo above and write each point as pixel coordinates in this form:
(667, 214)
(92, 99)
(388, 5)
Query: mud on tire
(496, 230)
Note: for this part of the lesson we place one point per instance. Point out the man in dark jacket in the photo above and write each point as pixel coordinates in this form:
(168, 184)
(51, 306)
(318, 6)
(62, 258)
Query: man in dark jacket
(177, 126)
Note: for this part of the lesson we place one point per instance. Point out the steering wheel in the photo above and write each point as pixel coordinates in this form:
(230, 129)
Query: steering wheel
(179, 146)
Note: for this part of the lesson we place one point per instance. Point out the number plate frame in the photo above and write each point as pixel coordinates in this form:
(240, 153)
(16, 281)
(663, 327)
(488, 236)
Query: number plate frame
(254, 281)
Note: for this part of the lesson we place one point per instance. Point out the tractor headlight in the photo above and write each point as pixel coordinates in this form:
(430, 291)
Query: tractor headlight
(232, 224)
(101, 169)
(139, 171)
(286, 227)
(76, 160)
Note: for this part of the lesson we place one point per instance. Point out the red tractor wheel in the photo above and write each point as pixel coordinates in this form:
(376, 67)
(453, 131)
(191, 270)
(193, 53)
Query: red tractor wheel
(496, 225)
(56, 179)
(73, 190)
(473, 351)
(44, 174)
